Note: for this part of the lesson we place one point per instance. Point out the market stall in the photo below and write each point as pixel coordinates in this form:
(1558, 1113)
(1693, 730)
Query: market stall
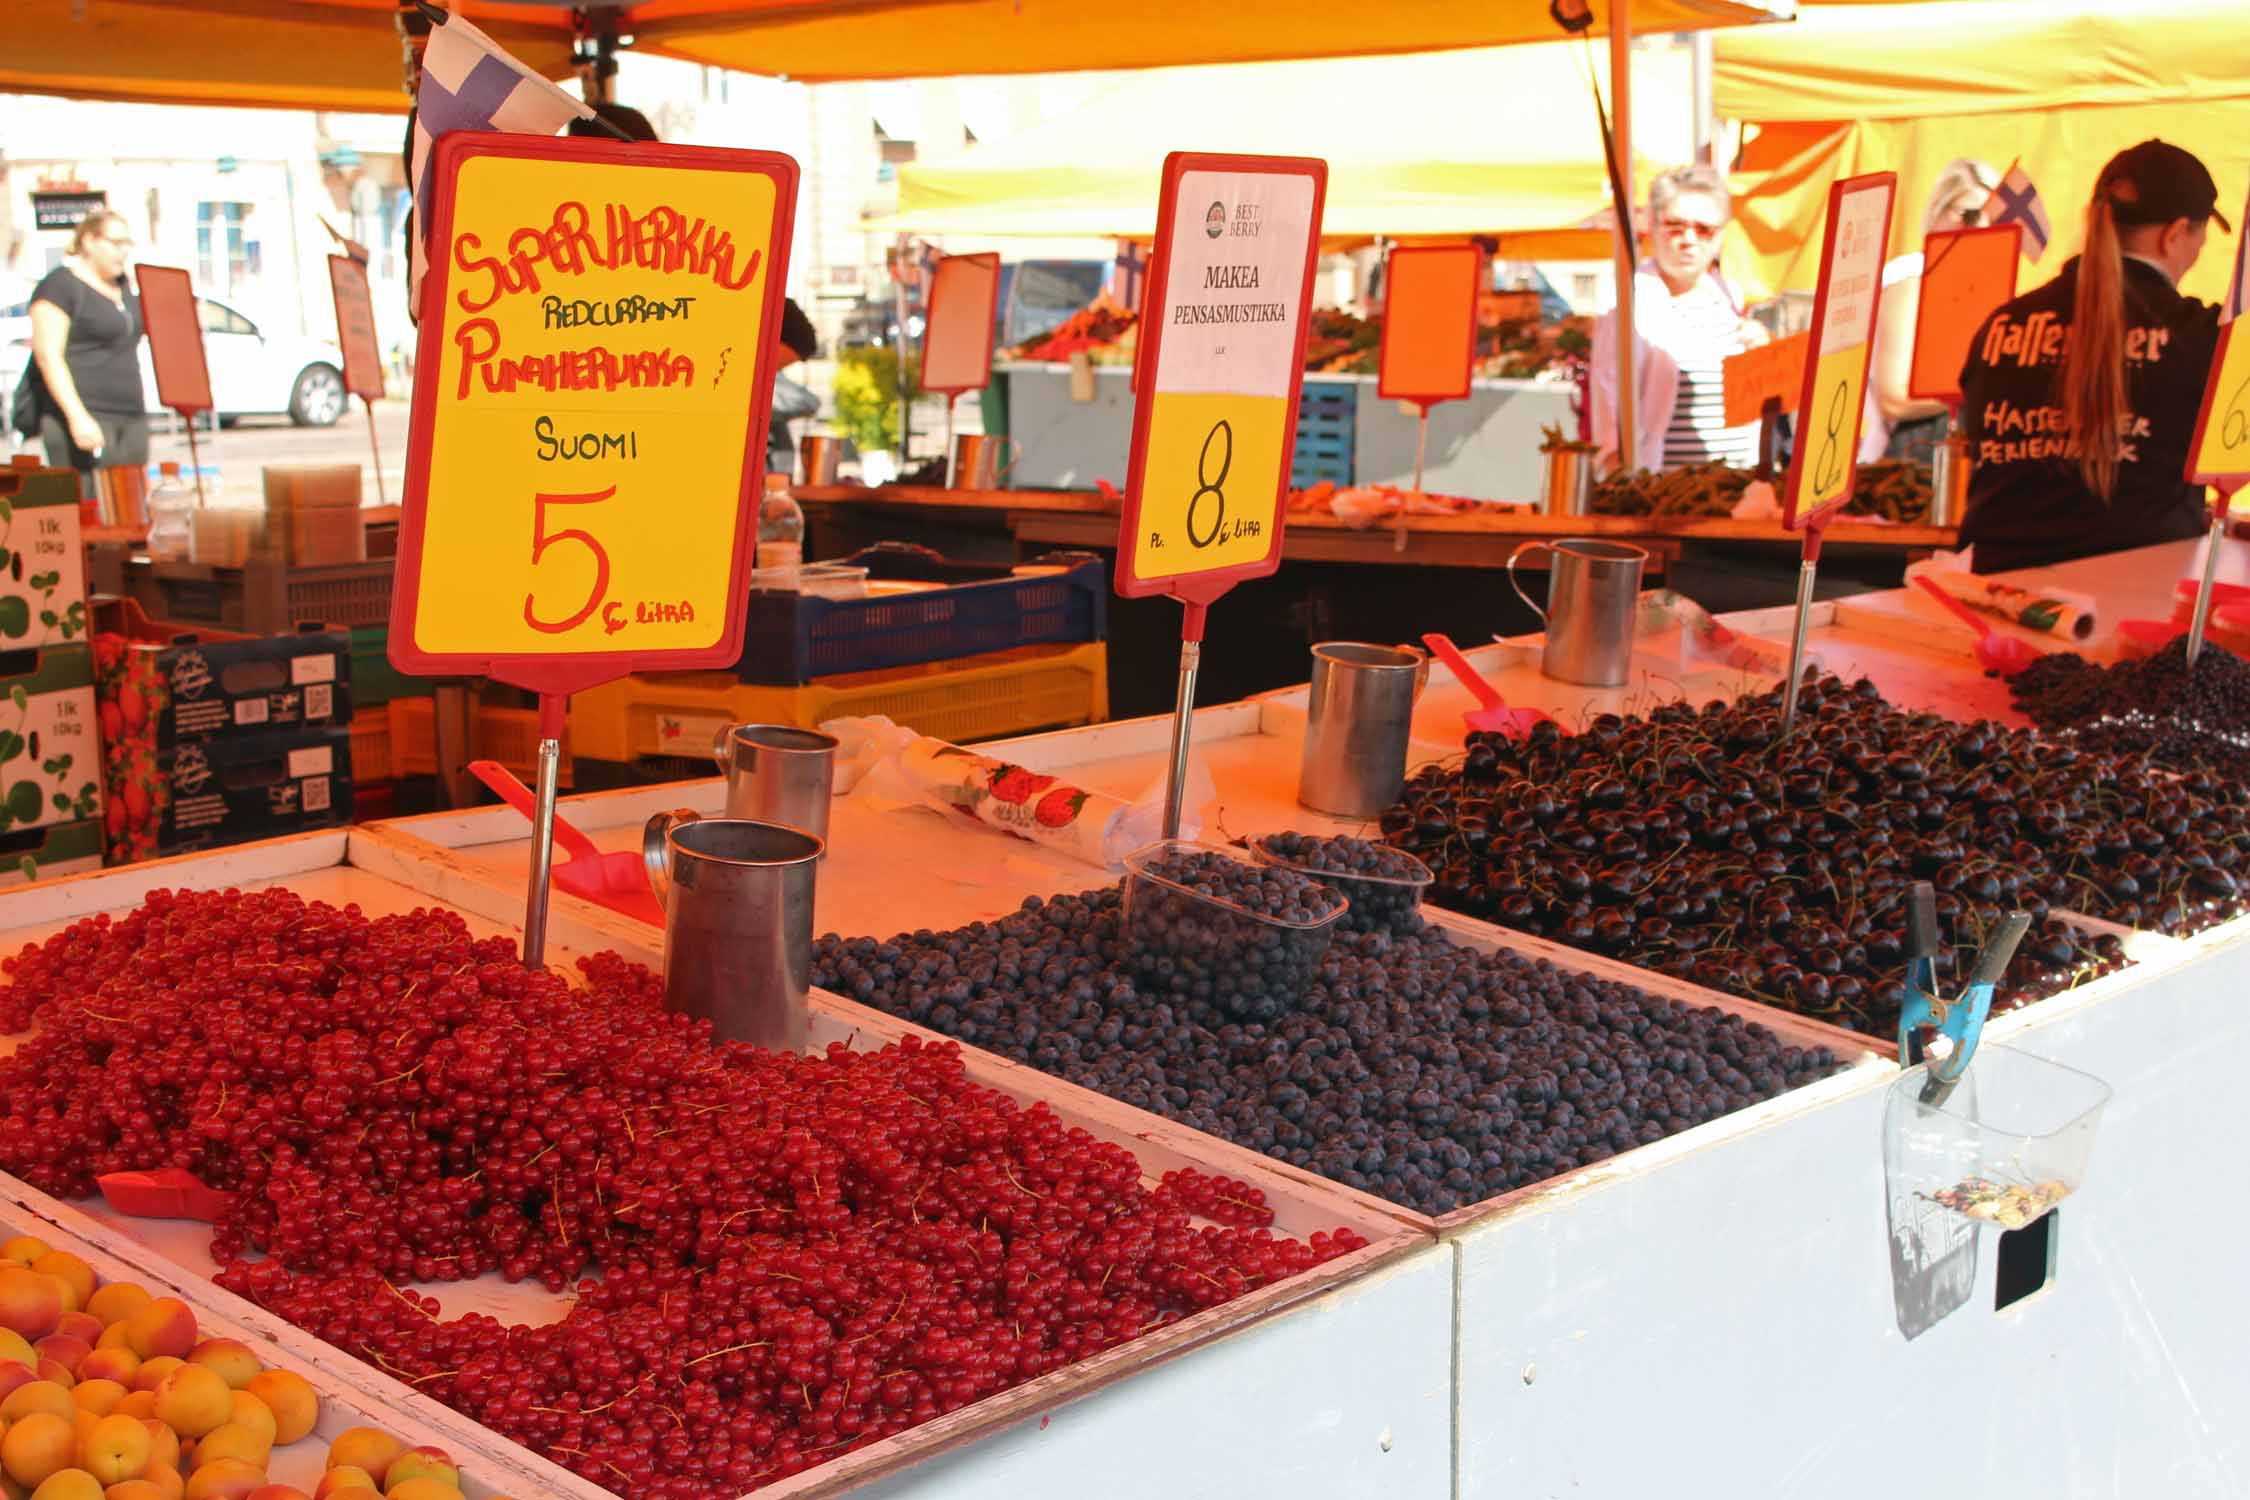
(1549, 1351)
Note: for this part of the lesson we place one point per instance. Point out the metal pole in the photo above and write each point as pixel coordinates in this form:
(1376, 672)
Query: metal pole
(1621, 144)
(951, 478)
(1797, 634)
(1421, 448)
(1706, 118)
(1183, 716)
(194, 458)
(376, 449)
(542, 855)
(2203, 595)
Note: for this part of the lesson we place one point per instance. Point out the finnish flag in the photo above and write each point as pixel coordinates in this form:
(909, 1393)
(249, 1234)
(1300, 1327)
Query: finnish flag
(2016, 201)
(469, 82)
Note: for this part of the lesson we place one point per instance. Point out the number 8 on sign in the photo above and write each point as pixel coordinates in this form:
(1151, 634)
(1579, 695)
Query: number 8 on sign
(1210, 485)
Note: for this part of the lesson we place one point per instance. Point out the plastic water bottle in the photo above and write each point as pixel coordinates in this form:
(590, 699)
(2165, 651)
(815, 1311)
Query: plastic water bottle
(171, 515)
(781, 537)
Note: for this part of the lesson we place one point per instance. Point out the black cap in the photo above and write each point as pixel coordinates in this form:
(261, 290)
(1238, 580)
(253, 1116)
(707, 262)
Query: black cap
(2156, 182)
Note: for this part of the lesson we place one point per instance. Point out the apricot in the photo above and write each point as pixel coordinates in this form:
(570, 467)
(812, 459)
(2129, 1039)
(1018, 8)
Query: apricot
(68, 1484)
(151, 1373)
(24, 1249)
(114, 1302)
(40, 1445)
(343, 1477)
(38, 1396)
(165, 1327)
(192, 1401)
(290, 1398)
(30, 1304)
(101, 1397)
(116, 1450)
(113, 1365)
(224, 1479)
(229, 1359)
(368, 1448)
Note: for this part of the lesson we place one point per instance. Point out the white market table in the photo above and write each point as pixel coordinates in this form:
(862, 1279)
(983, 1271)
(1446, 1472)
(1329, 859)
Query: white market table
(1335, 1383)
(1725, 1294)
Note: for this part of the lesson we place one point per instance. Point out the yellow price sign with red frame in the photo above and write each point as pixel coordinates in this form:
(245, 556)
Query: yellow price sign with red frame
(1842, 342)
(591, 398)
(1220, 367)
(2220, 454)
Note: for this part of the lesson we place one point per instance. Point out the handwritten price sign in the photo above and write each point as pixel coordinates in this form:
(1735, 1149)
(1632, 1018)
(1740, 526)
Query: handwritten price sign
(175, 337)
(355, 328)
(1842, 340)
(590, 407)
(2220, 454)
(1221, 362)
(1966, 273)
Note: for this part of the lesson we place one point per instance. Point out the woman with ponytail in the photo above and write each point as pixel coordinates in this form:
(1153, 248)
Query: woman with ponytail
(2080, 396)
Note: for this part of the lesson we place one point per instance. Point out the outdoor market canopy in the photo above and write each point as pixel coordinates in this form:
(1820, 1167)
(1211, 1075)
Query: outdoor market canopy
(344, 54)
(1453, 143)
(2061, 85)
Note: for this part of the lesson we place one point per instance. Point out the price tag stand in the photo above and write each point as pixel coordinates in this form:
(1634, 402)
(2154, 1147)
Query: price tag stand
(1831, 402)
(1429, 336)
(363, 360)
(2219, 456)
(1966, 273)
(175, 350)
(591, 398)
(1216, 377)
(957, 343)
(1759, 385)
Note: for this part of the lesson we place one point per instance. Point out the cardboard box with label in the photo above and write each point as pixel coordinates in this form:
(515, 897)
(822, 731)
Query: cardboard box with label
(50, 758)
(196, 687)
(51, 852)
(232, 789)
(42, 560)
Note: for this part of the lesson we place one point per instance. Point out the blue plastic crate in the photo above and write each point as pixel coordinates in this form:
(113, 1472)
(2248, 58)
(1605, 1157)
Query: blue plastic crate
(1327, 423)
(793, 638)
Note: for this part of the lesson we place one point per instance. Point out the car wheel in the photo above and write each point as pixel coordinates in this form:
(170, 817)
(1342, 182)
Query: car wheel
(318, 398)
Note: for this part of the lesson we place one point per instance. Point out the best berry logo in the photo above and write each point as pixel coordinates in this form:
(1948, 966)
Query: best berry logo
(1215, 219)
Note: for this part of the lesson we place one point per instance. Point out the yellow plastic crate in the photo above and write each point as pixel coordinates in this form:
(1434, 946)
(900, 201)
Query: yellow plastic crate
(371, 745)
(507, 735)
(969, 698)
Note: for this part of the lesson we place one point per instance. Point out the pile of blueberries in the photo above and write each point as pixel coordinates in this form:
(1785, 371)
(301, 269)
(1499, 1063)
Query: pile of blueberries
(1382, 883)
(1407, 1065)
(2151, 706)
(1210, 926)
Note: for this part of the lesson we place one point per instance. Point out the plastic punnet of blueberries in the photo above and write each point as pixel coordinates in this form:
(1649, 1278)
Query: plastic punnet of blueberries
(1403, 1064)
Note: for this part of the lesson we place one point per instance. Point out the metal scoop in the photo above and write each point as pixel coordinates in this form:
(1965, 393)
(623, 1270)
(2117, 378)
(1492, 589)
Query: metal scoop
(1494, 715)
(1995, 652)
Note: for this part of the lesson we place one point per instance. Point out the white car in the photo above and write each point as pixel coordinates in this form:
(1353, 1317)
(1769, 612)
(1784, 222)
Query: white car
(252, 373)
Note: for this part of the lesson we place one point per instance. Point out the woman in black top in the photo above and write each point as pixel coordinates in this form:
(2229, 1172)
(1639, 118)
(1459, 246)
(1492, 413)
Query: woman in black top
(85, 336)
(2080, 396)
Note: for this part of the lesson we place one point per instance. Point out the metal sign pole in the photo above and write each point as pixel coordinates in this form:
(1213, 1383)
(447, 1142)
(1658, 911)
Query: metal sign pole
(551, 710)
(1183, 717)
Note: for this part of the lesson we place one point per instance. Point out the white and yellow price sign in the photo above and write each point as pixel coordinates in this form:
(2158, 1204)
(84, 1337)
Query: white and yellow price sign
(591, 400)
(1843, 339)
(1221, 368)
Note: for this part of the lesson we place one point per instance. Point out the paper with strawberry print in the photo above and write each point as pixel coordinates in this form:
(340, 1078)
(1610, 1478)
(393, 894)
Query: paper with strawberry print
(1028, 804)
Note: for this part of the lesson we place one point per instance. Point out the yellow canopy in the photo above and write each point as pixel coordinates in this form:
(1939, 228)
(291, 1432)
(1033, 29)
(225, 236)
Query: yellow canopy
(2060, 84)
(344, 54)
(1500, 139)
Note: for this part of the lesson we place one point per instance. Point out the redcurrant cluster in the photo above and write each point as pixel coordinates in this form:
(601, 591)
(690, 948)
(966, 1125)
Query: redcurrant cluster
(795, 1255)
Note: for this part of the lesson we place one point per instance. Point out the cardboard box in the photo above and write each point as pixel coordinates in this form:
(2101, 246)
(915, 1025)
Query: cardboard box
(50, 853)
(313, 515)
(42, 560)
(210, 793)
(171, 684)
(50, 757)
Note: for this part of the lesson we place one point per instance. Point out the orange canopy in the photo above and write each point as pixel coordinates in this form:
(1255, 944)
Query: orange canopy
(344, 54)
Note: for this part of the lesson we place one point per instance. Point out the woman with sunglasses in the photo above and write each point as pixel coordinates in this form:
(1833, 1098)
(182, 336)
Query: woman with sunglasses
(1687, 320)
(1894, 425)
(2080, 396)
(85, 337)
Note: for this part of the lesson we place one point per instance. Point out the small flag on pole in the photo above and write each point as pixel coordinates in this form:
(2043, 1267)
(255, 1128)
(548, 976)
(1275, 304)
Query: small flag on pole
(2016, 201)
(2238, 286)
(469, 82)
(1126, 274)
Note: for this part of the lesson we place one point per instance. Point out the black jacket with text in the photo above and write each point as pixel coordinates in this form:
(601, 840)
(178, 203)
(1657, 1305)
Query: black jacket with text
(2028, 504)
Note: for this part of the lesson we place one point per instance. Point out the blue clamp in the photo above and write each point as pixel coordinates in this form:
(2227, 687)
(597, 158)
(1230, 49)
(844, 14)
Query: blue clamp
(1958, 1024)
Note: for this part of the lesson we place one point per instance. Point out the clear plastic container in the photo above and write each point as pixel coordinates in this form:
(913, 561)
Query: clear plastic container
(1180, 942)
(833, 581)
(2007, 1145)
(171, 515)
(1377, 901)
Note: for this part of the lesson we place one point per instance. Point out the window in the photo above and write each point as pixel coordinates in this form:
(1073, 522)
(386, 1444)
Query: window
(226, 247)
(217, 319)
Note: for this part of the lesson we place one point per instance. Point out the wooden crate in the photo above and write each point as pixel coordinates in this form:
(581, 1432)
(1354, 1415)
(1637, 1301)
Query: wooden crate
(1367, 1335)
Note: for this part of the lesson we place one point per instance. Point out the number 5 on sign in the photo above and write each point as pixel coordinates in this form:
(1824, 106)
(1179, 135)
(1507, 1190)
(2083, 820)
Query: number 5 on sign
(1842, 339)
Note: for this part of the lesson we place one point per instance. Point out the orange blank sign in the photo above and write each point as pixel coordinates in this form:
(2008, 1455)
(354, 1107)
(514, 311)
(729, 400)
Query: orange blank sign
(957, 347)
(175, 338)
(1966, 273)
(1429, 322)
(1770, 372)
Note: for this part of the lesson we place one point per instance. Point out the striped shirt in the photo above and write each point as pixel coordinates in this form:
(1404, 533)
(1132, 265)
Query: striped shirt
(1699, 433)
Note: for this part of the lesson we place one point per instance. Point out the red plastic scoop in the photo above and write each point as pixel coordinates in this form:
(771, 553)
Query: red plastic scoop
(1494, 714)
(1995, 652)
(617, 881)
(166, 1193)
